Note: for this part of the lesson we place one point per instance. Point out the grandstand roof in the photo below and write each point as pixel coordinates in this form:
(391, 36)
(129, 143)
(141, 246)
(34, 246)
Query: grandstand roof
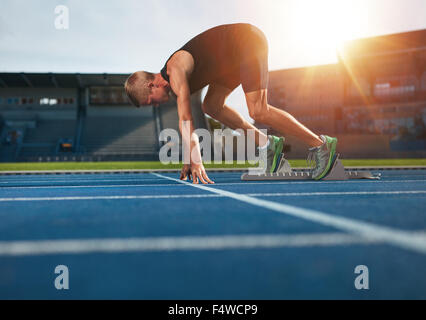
(60, 80)
(396, 43)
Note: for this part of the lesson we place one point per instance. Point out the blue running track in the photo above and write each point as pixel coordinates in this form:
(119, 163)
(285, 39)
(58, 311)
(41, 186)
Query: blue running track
(149, 236)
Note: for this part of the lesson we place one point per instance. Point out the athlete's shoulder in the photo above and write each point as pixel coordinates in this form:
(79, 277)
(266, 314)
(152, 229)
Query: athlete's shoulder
(180, 61)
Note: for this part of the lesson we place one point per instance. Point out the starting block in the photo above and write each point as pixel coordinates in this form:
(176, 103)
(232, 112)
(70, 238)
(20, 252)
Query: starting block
(285, 172)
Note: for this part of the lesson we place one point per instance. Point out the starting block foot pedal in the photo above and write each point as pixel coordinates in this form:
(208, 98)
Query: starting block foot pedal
(285, 172)
(337, 171)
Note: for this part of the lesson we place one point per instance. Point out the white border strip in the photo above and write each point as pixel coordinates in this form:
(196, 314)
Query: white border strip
(136, 171)
(217, 184)
(399, 238)
(92, 186)
(167, 196)
(335, 193)
(186, 243)
(90, 179)
(176, 196)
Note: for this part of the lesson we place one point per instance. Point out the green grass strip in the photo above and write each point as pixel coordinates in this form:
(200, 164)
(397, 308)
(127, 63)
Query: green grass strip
(103, 165)
(130, 165)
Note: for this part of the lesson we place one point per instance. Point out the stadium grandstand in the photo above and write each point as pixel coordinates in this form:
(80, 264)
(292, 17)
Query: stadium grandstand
(373, 99)
(79, 117)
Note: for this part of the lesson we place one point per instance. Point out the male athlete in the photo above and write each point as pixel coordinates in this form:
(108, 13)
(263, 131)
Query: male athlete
(223, 58)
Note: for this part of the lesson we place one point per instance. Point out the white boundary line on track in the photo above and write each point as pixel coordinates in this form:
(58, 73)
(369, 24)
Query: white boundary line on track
(167, 196)
(185, 243)
(174, 196)
(318, 182)
(399, 238)
(6, 183)
(335, 193)
(217, 184)
(93, 186)
(77, 180)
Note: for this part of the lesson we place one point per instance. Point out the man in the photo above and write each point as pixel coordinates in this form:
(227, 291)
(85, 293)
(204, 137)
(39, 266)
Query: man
(223, 58)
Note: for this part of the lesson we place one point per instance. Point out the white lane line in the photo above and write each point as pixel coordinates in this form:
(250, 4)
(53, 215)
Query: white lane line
(399, 238)
(217, 184)
(320, 182)
(185, 243)
(77, 180)
(173, 196)
(335, 193)
(93, 186)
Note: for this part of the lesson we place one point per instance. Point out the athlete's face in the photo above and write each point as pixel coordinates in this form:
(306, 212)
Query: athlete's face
(158, 95)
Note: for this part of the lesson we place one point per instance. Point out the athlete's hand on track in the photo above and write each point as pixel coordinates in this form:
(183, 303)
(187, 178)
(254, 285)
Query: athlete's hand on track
(196, 172)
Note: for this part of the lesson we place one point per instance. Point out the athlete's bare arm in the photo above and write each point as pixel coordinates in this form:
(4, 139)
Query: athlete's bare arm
(179, 68)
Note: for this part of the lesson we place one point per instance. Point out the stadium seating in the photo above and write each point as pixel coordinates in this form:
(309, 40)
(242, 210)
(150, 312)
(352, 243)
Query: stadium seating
(33, 109)
(123, 136)
(49, 131)
(169, 116)
(42, 140)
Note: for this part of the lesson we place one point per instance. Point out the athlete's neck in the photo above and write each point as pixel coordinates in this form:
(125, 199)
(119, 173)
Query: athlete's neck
(159, 81)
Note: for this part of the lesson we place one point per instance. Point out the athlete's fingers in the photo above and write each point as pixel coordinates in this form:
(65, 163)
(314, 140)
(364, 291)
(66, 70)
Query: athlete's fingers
(194, 177)
(200, 174)
(184, 174)
(206, 177)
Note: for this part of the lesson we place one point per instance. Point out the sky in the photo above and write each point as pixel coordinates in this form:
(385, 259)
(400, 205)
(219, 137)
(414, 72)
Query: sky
(128, 35)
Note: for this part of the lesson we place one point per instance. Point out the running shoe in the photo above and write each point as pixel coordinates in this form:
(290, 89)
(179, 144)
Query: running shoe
(321, 159)
(274, 153)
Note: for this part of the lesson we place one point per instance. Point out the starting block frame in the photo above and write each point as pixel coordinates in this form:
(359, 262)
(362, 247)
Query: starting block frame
(285, 172)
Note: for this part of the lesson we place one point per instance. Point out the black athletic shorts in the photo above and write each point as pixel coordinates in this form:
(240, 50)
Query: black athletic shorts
(252, 70)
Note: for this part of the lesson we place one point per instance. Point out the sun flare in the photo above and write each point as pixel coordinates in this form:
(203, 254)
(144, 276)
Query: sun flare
(319, 28)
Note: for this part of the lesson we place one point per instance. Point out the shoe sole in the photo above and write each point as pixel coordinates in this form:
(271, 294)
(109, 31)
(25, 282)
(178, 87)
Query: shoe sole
(331, 160)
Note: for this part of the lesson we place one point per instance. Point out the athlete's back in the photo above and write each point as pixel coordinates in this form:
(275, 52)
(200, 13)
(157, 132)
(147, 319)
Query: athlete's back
(218, 52)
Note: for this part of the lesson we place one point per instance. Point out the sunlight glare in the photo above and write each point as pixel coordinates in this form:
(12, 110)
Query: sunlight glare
(320, 27)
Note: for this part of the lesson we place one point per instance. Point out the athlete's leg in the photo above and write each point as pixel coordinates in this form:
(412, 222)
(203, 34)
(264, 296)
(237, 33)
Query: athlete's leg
(254, 79)
(282, 121)
(323, 148)
(254, 74)
(214, 105)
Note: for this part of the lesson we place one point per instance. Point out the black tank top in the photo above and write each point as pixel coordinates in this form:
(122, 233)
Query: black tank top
(216, 52)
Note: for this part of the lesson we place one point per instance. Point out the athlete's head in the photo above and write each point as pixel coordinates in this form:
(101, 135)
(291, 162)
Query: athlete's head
(145, 88)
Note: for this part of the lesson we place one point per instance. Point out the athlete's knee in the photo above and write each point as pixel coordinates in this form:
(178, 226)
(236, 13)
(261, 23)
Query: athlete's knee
(211, 108)
(258, 110)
